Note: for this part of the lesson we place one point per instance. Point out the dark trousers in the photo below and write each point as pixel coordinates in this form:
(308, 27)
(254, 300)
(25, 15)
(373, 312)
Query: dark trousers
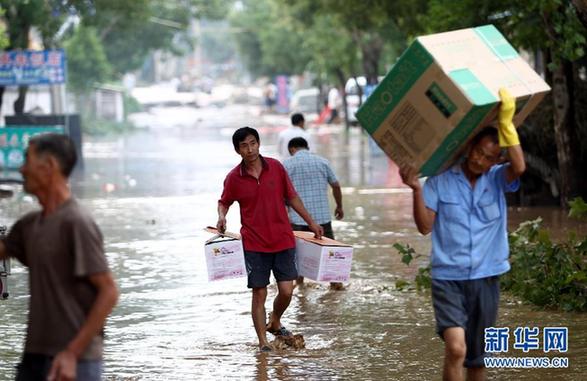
(328, 233)
(36, 367)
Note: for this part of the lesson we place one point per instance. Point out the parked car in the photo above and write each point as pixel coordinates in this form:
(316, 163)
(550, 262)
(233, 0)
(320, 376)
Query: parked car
(352, 99)
(306, 101)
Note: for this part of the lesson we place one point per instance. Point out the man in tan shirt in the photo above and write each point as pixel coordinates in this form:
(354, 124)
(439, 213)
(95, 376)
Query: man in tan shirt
(72, 289)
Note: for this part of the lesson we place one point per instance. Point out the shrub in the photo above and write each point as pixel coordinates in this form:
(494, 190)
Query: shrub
(545, 273)
(423, 279)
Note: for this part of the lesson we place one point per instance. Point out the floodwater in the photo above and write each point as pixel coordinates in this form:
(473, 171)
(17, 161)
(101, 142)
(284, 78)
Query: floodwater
(153, 191)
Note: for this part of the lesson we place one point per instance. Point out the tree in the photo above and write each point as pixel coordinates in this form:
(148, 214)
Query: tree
(333, 55)
(86, 60)
(128, 30)
(350, 40)
(371, 24)
(268, 42)
(557, 30)
(20, 17)
(3, 35)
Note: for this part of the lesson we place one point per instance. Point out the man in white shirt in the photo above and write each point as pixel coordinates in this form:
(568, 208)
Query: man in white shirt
(333, 104)
(296, 130)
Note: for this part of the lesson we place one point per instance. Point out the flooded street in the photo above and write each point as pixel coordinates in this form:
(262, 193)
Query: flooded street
(152, 193)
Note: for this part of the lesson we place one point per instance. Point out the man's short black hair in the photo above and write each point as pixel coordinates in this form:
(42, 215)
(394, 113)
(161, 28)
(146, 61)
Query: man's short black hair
(296, 119)
(241, 134)
(298, 142)
(486, 131)
(59, 146)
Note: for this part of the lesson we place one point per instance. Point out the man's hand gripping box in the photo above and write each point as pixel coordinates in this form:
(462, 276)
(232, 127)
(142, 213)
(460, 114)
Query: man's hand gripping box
(323, 260)
(225, 257)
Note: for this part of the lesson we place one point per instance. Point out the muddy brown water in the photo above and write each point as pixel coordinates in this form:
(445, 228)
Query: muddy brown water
(153, 191)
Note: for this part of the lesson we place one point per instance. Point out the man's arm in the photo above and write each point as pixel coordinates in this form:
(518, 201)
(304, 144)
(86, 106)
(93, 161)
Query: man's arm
(337, 193)
(517, 163)
(508, 136)
(297, 204)
(221, 224)
(65, 363)
(423, 216)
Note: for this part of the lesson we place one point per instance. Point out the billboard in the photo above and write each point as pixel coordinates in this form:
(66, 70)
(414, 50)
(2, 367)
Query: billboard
(14, 141)
(32, 67)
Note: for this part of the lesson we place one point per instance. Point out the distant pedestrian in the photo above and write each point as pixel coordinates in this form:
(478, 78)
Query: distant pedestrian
(262, 187)
(270, 96)
(311, 175)
(72, 291)
(297, 129)
(333, 104)
(465, 209)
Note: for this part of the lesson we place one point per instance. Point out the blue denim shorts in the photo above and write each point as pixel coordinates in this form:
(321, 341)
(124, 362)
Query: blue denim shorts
(35, 367)
(260, 265)
(471, 305)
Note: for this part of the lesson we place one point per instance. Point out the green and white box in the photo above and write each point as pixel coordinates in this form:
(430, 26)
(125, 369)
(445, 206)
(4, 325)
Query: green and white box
(443, 89)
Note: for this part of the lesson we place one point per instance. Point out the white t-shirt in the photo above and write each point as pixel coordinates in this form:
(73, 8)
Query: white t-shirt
(333, 98)
(288, 134)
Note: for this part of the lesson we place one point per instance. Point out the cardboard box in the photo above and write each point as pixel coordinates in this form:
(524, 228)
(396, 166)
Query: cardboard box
(324, 260)
(225, 257)
(442, 91)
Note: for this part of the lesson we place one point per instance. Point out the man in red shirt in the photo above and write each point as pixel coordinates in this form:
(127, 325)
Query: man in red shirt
(262, 188)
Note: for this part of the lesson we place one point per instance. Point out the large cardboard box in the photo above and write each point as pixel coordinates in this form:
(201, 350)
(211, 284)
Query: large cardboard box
(225, 257)
(323, 260)
(443, 89)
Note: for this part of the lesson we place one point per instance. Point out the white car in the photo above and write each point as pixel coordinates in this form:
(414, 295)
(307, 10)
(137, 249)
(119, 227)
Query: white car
(352, 98)
(306, 101)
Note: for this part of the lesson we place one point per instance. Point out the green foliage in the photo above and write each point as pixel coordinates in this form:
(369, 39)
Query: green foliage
(545, 273)
(86, 60)
(100, 127)
(329, 38)
(130, 30)
(402, 285)
(131, 105)
(4, 42)
(541, 24)
(20, 16)
(578, 208)
(359, 32)
(407, 252)
(423, 278)
(331, 53)
(268, 42)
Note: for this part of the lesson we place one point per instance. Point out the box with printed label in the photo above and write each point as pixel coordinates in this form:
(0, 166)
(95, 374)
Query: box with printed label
(444, 89)
(323, 260)
(225, 258)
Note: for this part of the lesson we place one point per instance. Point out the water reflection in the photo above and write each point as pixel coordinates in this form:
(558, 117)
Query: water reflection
(172, 324)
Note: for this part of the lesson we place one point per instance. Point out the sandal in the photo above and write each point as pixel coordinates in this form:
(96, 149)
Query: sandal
(282, 331)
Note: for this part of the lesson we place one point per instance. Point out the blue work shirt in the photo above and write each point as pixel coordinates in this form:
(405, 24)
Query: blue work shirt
(310, 175)
(469, 235)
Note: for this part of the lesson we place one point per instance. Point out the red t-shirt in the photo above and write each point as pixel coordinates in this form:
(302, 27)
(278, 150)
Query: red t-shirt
(265, 223)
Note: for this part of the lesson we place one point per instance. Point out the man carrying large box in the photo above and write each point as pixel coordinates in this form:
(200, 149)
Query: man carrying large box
(442, 91)
(465, 209)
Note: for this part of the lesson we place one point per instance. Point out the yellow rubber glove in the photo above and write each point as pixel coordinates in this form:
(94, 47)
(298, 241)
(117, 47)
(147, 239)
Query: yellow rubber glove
(508, 136)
